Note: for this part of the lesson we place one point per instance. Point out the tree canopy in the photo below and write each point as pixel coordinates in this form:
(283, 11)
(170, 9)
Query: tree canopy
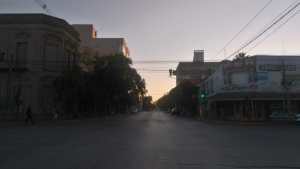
(183, 98)
(109, 86)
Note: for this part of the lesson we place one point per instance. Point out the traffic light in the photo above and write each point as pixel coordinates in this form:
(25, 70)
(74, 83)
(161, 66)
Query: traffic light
(172, 72)
(202, 97)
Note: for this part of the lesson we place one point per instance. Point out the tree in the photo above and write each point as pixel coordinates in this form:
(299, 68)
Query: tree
(147, 103)
(109, 86)
(67, 87)
(240, 56)
(183, 98)
(118, 83)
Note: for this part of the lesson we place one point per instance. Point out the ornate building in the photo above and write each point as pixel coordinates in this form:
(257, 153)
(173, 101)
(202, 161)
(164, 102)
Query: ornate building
(34, 50)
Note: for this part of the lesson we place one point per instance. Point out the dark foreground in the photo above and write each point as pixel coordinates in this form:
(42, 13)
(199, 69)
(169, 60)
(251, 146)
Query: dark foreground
(149, 141)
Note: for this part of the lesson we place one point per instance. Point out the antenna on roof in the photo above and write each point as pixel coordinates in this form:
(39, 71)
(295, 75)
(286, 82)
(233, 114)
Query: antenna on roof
(43, 5)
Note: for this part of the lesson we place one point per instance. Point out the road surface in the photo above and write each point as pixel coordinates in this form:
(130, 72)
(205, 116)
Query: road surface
(148, 140)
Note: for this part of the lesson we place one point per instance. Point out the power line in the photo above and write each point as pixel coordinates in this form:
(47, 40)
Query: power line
(244, 27)
(285, 10)
(264, 31)
(166, 61)
(156, 61)
(153, 70)
(275, 30)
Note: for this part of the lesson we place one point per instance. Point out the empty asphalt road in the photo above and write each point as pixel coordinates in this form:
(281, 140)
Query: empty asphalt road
(148, 140)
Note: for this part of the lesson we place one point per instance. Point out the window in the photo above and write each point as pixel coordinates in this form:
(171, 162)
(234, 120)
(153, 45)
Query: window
(2, 56)
(51, 57)
(69, 58)
(21, 54)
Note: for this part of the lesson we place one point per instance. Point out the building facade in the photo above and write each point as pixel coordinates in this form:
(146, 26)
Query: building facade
(196, 71)
(254, 88)
(34, 50)
(100, 46)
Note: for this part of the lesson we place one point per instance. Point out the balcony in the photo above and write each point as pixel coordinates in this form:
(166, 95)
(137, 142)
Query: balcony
(5, 67)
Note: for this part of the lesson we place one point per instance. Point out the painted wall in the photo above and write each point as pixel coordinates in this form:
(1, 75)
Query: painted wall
(100, 46)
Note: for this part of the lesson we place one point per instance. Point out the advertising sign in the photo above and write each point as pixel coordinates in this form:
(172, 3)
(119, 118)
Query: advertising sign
(272, 67)
(262, 76)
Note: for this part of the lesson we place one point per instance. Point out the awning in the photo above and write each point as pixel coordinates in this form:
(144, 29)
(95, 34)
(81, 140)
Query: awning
(254, 96)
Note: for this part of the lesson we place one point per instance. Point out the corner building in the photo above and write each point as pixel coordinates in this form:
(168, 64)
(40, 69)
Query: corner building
(34, 50)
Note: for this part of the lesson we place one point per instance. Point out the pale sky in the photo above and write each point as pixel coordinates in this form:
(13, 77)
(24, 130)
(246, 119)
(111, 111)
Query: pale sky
(171, 29)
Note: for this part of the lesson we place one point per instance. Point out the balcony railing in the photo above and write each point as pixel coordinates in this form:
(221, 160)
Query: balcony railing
(17, 67)
(49, 66)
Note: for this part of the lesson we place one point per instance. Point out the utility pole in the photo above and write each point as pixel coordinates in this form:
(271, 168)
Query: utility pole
(172, 72)
(283, 83)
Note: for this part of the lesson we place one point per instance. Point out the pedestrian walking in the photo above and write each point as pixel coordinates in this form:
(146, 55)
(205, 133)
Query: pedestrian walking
(28, 116)
(55, 114)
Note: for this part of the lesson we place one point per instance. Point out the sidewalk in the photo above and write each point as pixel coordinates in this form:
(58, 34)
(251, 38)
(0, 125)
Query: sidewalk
(50, 122)
(253, 123)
